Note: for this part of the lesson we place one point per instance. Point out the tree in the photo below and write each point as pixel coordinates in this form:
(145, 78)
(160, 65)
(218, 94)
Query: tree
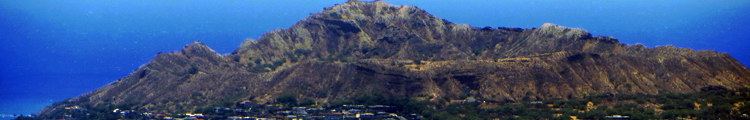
(307, 102)
(257, 61)
(287, 99)
(417, 61)
(236, 58)
(193, 70)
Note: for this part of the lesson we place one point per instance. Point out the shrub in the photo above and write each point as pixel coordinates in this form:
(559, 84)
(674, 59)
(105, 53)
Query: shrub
(193, 70)
(334, 15)
(197, 94)
(257, 61)
(261, 68)
(417, 61)
(307, 102)
(302, 52)
(287, 99)
(341, 58)
(424, 52)
(279, 62)
(321, 93)
(236, 58)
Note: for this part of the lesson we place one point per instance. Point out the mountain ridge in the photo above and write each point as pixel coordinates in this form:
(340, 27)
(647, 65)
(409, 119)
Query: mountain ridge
(403, 51)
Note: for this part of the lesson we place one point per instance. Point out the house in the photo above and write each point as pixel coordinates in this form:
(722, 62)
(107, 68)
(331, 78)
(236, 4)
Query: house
(318, 117)
(351, 116)
(380, 107)
(335, 116)
(414, 116)
(197, 115)
(353, 106)
(382, 113)
(246, 102)
(354, 111)
(125, 112)
(315, 110)
(470, 99)
(147, 114)
(367, 115)
(286, 112)
(617, 117)
(299, 112)
(73, 108)
(290, 117)
(299, 108)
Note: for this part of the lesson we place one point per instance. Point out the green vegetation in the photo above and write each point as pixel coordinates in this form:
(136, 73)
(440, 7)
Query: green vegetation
(100, 112)
(302, 52)
(416, 61)
(261, 68)
(236, 58)
(674, 105)
(334, 15)
(279, 62)
(287, 99)
(257, 61)
(192, 69)
(480, 44)
(725, 104)
(292, 57)
(424, 52)
(307, 102)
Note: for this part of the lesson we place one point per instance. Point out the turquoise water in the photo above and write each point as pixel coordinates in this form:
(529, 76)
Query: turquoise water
(53, 50)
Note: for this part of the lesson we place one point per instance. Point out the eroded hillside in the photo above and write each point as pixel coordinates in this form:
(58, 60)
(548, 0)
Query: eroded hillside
(402, 51)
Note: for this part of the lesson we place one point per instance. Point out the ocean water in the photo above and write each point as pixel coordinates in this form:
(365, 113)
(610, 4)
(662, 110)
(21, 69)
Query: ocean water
(55, 49)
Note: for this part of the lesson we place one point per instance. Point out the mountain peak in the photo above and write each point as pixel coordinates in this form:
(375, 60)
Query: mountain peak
(563, 32)
(376, 10)
(402, 51)
(197, 48)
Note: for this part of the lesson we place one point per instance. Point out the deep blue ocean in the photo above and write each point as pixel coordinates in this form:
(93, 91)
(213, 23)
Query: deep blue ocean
(57, 49)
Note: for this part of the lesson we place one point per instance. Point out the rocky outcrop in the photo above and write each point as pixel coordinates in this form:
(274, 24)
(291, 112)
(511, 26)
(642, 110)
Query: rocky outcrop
(402, 51)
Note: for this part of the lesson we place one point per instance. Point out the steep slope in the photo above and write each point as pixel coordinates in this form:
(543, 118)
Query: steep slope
(402, 51)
